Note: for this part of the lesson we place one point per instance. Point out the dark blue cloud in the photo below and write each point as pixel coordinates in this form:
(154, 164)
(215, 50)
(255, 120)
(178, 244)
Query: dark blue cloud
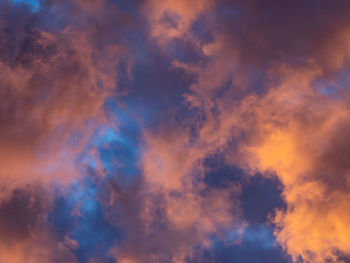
(257, 246)
(80, 216)
(259, 198)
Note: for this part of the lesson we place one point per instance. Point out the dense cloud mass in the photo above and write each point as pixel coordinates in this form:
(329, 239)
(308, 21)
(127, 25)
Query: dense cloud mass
(174, 131)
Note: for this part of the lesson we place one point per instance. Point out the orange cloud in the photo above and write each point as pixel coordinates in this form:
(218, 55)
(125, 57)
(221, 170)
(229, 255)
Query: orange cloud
(25, 231)
(291, 129)
(171, 206)
(172, 19)
(54, 83)
(299, 135)
(52, 92)
(253, 98)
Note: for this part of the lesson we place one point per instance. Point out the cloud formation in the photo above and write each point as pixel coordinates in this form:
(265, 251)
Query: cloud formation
(53, 87)
(55, 77)
(130, 132)
(291, 124)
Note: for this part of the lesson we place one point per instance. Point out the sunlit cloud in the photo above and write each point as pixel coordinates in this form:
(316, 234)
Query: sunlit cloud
(174, 131)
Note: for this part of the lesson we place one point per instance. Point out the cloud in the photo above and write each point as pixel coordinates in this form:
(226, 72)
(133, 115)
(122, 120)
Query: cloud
(298, 134)
(55, 77)
(27, 235)
(170, 206)
(53, 87)
(286, 125)
(262, 85)
(171, 20)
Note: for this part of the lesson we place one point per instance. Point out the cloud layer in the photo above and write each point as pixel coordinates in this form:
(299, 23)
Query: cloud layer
(174, 131)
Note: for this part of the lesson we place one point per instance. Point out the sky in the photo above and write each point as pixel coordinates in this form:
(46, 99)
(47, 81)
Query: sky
(174, 131)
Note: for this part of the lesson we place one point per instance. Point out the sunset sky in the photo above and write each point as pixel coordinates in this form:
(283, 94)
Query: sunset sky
(174, 131)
